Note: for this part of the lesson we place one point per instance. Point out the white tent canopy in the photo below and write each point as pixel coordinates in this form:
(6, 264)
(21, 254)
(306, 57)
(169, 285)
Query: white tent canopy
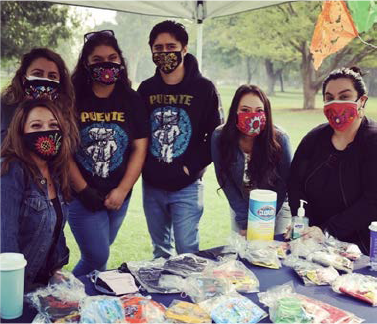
(196, 11)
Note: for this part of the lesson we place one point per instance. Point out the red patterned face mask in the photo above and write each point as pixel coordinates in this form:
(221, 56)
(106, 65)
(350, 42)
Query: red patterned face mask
(340, 114)
(251, 124)
(45, 145)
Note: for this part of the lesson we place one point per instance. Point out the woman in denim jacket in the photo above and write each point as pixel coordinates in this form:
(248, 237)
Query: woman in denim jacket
(249, 152)
(35, 188)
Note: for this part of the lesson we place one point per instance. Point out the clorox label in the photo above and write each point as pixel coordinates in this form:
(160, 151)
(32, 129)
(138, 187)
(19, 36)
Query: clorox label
(266, 212)
(261, 220)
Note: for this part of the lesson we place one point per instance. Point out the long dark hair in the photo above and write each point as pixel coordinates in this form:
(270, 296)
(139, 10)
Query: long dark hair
(14, 94)
(266, 151)
(81, 78)
(14, 148)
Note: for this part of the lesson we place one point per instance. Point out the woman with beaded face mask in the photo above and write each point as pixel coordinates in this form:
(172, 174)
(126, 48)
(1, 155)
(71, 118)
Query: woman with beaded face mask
(113, 130)
(41, 75)
(334, 167)
(249, 152)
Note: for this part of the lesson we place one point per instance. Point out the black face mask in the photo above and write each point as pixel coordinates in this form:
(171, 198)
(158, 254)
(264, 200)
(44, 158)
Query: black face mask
(105, 72)
(45, 145)
(37, 88)
(167, 62)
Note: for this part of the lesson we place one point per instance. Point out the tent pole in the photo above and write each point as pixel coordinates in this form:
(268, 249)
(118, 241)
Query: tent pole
(199, 44)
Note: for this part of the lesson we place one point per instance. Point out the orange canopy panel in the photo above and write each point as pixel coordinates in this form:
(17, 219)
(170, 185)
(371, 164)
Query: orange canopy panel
(334, 30)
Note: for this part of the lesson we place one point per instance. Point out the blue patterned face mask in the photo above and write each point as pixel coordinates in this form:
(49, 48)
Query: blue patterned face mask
(38, 88)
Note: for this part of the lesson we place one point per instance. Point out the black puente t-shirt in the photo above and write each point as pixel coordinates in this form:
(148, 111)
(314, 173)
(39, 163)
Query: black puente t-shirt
(107, 128)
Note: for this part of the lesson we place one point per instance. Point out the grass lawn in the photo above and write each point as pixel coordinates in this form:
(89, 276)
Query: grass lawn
(133, 241)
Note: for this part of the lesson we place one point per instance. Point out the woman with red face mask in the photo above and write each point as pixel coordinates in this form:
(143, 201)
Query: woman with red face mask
(249, 152)
(334, 167)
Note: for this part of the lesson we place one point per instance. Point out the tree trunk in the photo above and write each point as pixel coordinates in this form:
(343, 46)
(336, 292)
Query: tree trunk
(271, 77)
(248, 68)
(310, 86)
(309, 97)
(281, 81)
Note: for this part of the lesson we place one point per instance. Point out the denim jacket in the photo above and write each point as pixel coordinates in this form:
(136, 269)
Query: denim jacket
(28, 221)
(233, 187)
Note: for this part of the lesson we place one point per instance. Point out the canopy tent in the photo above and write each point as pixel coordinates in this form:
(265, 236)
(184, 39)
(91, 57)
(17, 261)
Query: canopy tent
(197, 11)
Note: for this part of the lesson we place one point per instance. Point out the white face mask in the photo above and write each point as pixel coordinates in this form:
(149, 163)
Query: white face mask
(32, 78)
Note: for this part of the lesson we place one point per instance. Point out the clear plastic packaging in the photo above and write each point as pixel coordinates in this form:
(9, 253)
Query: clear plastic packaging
(140, 309)
(327, 258)
(59, 300)
(311, 273)
(242, 278)
(101, 309)
(357, 285)
(348, 250)
(233, 308)
(166, 276)
(260, 253)
(39, 318)
(201, 287)
(303, 247)
(286, 306)
(185, 312)
(150, 274)
(186, 264)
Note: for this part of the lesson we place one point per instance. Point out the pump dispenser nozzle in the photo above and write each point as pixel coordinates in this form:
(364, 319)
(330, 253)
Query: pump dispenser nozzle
(301, 210)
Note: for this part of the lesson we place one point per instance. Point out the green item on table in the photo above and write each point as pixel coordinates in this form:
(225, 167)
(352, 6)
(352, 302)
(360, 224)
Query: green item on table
(290, 310)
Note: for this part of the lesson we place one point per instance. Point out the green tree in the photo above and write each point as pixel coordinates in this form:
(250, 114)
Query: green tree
(28, 24)
(281, 35)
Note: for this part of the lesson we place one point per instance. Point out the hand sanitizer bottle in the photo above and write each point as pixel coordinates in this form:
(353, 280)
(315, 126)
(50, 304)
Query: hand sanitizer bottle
(299, 222)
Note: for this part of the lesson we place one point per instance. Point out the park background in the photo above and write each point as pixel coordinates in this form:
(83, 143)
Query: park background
(268, 47)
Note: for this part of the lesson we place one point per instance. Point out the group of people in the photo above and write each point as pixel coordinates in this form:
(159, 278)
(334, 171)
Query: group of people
(73, 147)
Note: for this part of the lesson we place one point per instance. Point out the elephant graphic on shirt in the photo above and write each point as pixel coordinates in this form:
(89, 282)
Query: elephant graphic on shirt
(167, 133)
(102, 149)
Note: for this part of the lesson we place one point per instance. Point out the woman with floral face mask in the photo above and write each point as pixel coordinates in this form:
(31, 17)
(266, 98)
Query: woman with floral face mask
(334, 167)
(113, 129)
(35, 189)
(249, 152)
(41, 75)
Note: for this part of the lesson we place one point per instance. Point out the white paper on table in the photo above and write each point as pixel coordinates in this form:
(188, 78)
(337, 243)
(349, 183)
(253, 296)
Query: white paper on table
(120, 283)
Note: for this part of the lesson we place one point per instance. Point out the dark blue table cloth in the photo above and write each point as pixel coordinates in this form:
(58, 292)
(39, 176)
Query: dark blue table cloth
(267, 278)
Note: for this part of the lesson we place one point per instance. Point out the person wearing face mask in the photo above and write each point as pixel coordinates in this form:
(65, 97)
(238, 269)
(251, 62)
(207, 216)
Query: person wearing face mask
(42, 74)
(183, 110)
(334, 167)
(249, 152)
(114, 137)
(35, 189)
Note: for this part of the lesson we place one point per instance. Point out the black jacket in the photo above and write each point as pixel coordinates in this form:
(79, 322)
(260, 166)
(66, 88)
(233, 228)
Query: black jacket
(182, 119)
(339, 186)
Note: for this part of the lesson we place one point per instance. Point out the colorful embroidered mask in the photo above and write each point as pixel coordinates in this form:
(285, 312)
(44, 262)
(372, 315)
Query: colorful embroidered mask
(45, 145)
(251, 124)
(38, 88)
(167, 62)
(340, 114)
(105, 72)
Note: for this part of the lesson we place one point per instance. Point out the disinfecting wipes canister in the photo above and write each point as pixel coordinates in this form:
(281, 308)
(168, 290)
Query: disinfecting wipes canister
(262, 211)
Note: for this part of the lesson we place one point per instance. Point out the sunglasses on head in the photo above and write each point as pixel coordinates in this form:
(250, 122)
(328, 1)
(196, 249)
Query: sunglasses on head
(107, 32)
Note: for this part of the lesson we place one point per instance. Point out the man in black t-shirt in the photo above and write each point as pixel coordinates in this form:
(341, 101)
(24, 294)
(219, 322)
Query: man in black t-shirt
(183, 109)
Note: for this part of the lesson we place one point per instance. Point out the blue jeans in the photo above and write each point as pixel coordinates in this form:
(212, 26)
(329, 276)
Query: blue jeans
(176, 212)
(94, 233)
